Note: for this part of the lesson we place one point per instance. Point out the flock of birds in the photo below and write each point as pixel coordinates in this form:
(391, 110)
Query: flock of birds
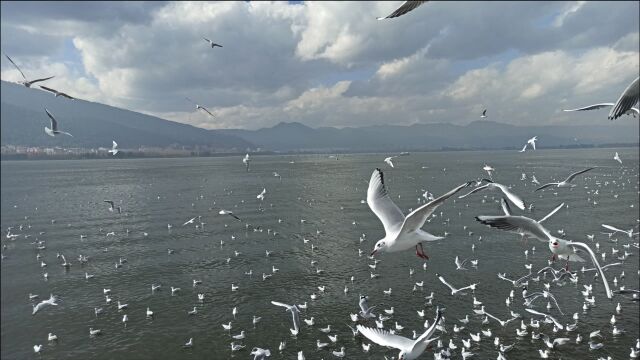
(403, 233)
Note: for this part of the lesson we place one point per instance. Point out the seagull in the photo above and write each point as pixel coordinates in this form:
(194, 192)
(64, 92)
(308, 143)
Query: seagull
(484, 114)
(114, 148)
(26, 82)
(515, 199)
(559, 247)
(403, 9)
(488, 169)
(189, 221)
(54, 126)
(260, 353)
(51, 301)
(261, 195)
(294, 312)
(507, 211)
(246, 161)
(112, 206)
(455, 291)
(56, 92)
(409, 349)
(230, 213)
(532, 142)
(365, 310)
(401, 233)
(36, 348)
(212, 43)
(198, 107)
(388, 160)
(460, 265)
(566, 182)
(624, 105)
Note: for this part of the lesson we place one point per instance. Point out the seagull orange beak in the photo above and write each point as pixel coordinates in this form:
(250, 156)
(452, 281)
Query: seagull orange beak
(373, 252)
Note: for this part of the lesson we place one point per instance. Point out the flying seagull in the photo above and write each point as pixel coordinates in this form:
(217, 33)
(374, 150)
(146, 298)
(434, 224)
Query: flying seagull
(403, 9)
(559, 247)
(26, 82)
(294, 312)
(566, 182)
(532, 142)
(212, 43)
(401, 233)
(484, 114)
(389, 160)
(230, 213)
(114, 148)
(112, 206)
(56, 92)
(616, 157)
(198, 107)
(624, 105)
(54, 126)
(409, 349)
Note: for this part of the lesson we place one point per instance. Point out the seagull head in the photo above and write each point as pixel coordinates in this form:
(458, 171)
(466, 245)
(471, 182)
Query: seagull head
(381, 245)
(555, 243)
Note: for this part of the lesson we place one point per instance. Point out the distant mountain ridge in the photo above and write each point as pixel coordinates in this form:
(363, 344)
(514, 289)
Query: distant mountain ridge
(22, 122)
(476, 135)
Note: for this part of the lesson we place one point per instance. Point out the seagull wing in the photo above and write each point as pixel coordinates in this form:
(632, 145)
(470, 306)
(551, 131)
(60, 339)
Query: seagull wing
(524, 148)
(14, 64)
(560, 341)
(417, 217)
(205, 109)
(381, 204)
(517, 224)
(629, 98)
(109, 202)
(54, 123)
(586, 248)
(592, 107)
(572, 176)
(43, 79)
(551, 213)
(515, 199)
(545, 186)
(505, 207)
(429, 332)
(49, 89)
(493, 317)
(276, 303)
(442, 280)
(384, 338)
(115, 144)
(403, 9)
(612, 228)
(207, 40)
(473, 191)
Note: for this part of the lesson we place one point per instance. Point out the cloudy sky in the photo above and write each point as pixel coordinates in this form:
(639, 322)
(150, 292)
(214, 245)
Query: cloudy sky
(331, 63)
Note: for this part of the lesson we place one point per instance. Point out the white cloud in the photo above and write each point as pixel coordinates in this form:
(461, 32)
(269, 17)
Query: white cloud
(329, 63)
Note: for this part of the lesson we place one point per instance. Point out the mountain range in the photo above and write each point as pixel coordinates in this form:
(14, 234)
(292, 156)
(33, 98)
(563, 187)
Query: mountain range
(22, 122)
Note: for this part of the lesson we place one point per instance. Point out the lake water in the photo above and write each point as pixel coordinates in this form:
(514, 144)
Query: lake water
(328, 194)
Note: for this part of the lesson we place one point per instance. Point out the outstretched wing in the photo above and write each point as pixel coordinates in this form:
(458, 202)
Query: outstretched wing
(417, 217)
(384, 338)
(586, 248)
(572, 176)
(473, 191)
(505, 206)
(381, 204)
(515, 199)
(551, 213)
(14, 64)
(592, 107)
(403, 9)
(629, 97)
(276, 303)
(54, 123)
(517, 224)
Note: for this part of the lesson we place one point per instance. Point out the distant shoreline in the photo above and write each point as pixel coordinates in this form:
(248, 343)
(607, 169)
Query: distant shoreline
(137, 155)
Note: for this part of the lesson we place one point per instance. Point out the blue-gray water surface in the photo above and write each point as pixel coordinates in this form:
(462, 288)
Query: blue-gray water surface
(58, 201)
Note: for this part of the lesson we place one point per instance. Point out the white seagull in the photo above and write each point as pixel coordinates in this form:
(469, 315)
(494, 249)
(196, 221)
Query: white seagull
(616, 157)
(532, 142)
(230, 213)
(559, 247)
(54, 126)
(401, 233)
(294, 313)
(409, 349)
(403, 9)
(455, 291)
(51, 301)
(212, 43)
(566, 182)
(388, 160)
(114, 148)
